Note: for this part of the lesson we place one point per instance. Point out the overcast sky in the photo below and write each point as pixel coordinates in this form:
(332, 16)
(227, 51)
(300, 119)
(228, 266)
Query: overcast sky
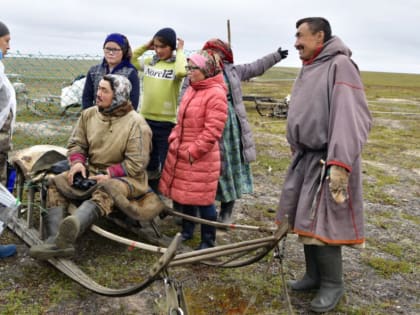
(383, 34)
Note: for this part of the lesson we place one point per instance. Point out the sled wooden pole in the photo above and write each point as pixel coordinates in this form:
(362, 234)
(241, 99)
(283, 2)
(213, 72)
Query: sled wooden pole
(228, 32)
(221, 225)
(219, 252)
(234, 248)
(259, 242)
(127, 241)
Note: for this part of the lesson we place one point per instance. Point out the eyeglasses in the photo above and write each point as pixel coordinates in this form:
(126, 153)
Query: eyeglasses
(111, 50)
(191, 68)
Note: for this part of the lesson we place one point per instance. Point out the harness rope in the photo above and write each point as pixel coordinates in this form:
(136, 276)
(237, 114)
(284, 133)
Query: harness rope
(279, 254)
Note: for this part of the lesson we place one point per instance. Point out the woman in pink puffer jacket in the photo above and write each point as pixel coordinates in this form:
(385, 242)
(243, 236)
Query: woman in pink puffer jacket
(192, 166)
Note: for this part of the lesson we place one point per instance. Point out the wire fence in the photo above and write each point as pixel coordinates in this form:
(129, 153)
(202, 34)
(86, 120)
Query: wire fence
(46, 84)
(49, 91)
(39, 80)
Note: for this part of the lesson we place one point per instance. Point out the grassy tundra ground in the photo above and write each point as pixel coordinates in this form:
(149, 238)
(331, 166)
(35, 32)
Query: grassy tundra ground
(382, 279)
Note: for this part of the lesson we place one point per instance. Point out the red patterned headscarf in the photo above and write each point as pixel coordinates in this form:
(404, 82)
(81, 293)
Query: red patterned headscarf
(221, 48)
(208, 63)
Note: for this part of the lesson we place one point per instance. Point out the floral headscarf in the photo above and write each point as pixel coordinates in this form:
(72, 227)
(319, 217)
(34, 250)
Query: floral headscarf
(121, 87)
(221, 48)
(208, 63)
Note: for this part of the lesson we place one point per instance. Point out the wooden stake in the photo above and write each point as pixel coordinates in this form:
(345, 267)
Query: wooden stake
(228, 32)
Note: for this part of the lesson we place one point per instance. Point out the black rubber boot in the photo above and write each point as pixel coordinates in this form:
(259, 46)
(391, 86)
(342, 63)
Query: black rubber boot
(187, 226)
(177, 207)
(208, 236)
(330, 267)
(51, 222)
(310, 280)
(154, 184)
(225, 215)
(74, 225)
(187, 230)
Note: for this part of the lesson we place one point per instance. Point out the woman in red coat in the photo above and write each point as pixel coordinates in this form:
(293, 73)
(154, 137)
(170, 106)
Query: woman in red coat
(192, 166)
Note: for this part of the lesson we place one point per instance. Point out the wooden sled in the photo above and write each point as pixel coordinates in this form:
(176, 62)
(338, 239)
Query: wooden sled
(268, 106)
(29, 185)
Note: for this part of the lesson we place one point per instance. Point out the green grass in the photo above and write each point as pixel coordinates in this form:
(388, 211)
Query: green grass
(388, 267)
(23, 140)
(391, 85)
(412, 218)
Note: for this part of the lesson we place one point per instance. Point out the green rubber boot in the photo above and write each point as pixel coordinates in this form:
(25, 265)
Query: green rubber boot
(73, 226)
(310, 280)
(70, 228)
(51, 222)
(331, 274)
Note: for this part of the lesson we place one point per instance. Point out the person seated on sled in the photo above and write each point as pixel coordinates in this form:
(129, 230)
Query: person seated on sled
(109, 148)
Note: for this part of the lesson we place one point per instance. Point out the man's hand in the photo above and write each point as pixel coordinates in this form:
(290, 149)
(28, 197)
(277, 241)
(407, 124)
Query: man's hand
(100, 177)
(76, 168)
(339, 180)
(283, 53)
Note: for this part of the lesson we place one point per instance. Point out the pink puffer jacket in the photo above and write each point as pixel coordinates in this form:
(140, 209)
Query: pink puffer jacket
(201, 119)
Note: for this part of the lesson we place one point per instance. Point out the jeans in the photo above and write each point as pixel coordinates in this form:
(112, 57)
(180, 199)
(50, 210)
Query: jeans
(161, 131)
(208, 233)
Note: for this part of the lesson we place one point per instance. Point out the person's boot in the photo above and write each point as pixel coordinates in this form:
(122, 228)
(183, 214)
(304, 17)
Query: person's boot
(154, 184)
(74, 225)
(187, 230)
(7, 250)
(225, 215)
(310, 280)
(330, 267)
(177, 207)
(208, 236)
(51, 221)
(70, 228)
(153, 179)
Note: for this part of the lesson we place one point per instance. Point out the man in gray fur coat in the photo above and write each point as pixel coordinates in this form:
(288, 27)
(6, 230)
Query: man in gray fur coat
(328, 124)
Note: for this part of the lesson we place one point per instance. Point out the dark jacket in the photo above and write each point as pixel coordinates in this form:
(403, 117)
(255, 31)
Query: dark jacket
(95, 75)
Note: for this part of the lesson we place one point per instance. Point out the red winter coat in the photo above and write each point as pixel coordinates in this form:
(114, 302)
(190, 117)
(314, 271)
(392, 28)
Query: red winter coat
(201, 119)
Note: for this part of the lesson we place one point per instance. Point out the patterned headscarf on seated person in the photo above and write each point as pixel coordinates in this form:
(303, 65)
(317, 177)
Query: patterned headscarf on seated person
(121, 87)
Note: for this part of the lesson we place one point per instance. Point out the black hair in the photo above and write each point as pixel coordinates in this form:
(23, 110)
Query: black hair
(163, 40)
(110, 79)
(127, 52)
(3, 29)
(317, 24)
